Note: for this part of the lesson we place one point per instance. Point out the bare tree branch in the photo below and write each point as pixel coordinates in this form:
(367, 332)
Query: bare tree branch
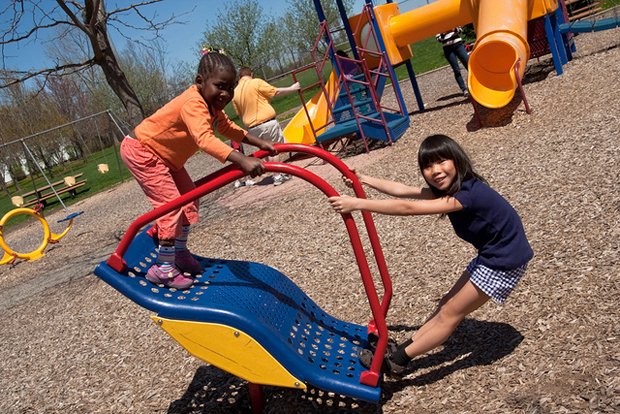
(27, 35)
(8, 76)
(76, 22)
(29, 19)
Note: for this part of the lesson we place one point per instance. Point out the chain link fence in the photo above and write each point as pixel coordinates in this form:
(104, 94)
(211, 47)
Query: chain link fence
(58, 166)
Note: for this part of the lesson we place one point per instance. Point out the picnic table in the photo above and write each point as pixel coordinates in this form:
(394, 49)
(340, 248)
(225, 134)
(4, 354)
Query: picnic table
(578, 9)
(69, 184)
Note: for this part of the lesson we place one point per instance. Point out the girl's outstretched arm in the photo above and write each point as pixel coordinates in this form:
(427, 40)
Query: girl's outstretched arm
(392, 188)
(346, 204)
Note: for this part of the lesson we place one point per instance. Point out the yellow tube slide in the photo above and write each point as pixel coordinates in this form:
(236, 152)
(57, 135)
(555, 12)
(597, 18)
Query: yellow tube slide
(298, 130)
(501, 29)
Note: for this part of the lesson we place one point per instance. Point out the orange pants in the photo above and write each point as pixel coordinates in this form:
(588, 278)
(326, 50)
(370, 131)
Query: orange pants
(161, 185)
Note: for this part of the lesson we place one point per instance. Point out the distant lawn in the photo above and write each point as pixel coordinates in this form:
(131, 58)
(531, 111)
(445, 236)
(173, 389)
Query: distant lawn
(427, 55)
(95, 181)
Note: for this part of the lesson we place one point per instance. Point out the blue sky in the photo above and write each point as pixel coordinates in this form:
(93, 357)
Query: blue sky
(181, 41)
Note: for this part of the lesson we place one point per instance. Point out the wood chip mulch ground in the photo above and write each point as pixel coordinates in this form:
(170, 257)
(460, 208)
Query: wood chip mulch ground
(72, 344)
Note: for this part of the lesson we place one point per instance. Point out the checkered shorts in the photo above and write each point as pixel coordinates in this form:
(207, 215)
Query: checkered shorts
(496, 283)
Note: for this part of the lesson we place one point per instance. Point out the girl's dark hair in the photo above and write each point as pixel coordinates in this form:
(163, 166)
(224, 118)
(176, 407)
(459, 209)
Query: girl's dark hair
(212, 60)
(437, 148)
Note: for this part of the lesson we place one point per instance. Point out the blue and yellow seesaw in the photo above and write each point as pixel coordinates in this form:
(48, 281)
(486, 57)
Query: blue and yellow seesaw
(251, 320)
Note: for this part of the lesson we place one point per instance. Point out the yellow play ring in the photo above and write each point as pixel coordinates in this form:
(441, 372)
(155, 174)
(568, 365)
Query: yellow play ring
(10, 255)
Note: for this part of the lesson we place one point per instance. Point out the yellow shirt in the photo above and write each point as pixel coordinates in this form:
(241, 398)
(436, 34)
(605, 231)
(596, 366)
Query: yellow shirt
(185, 125)
(251, 101)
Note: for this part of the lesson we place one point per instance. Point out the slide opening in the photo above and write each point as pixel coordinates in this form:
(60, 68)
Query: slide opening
(491, 76)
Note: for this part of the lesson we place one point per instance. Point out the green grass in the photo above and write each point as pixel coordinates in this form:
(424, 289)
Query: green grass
(95, 181)
(427, 55)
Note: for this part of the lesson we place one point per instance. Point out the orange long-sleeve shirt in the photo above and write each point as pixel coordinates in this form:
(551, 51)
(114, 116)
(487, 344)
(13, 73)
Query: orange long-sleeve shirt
(185, 125)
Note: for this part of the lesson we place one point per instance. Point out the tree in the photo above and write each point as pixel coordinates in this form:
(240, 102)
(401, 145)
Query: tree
(29, 19)
(277, 34)
(304, 23)
(20, 107)
(242, 30)
(145, 69)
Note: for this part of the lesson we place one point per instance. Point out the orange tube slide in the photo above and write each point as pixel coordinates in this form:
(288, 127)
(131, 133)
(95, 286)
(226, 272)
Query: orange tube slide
(501, 28)
(427, 21)
(500, 45)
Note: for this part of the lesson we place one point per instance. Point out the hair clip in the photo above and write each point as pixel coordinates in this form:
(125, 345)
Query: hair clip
(207, 49)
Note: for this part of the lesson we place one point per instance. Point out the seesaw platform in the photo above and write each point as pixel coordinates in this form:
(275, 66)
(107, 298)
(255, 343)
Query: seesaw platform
(251, 320)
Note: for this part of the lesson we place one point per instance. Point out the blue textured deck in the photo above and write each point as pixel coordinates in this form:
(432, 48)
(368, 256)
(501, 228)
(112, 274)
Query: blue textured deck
(342, 128)
(262, 302)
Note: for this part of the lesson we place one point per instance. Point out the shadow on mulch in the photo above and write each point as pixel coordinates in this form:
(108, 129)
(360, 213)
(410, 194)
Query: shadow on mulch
(460, 100)
(494, 118)
(473, 343)
(342, 147)
(452, 96)
(538, 71)
(215, 391)
(597, 51)
(357, 147)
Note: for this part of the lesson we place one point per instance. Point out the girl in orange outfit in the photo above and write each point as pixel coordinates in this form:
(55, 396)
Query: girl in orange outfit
(157, 149)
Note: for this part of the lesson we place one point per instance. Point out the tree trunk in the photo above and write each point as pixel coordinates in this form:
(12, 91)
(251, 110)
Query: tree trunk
(14, 179)
(105, 58)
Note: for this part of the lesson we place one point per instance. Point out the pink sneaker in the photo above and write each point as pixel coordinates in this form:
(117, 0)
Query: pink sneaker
(173, 279)
(187, 263)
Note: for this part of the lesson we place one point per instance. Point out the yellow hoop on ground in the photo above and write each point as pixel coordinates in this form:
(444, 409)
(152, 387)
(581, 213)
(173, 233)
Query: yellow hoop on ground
(7, 258)
(48, 237)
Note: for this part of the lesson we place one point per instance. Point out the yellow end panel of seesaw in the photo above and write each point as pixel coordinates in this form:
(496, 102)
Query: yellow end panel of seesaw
(230, 350)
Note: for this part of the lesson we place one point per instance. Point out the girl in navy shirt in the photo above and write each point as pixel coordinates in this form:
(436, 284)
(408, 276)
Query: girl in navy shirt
(479, 216)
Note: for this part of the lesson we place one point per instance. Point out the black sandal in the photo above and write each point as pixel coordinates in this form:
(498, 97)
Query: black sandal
(388, 366)
(373, 340)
